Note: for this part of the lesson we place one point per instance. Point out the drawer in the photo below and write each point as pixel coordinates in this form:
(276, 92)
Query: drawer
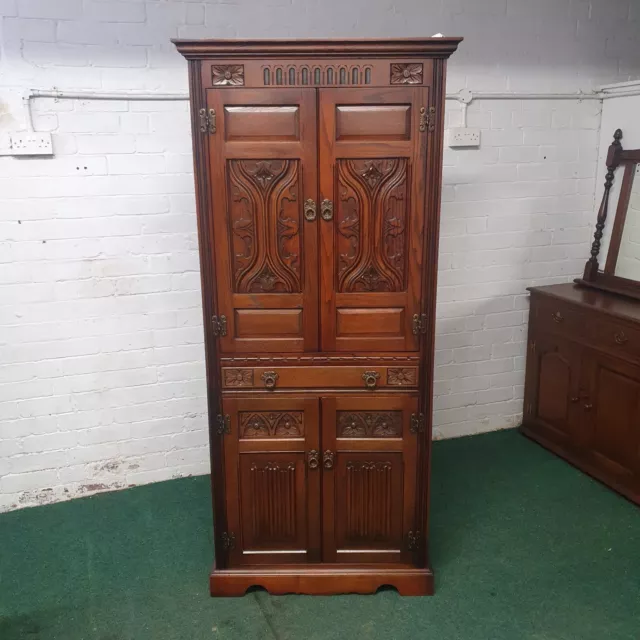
(339, 377)
(555, 316)
(618, 338)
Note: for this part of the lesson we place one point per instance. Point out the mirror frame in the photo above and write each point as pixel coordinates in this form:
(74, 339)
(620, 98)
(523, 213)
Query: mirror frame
(606, 280)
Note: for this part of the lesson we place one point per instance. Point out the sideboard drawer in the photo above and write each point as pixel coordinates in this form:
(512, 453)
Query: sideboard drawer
(617, 338)
(560, 318)
(270, 378)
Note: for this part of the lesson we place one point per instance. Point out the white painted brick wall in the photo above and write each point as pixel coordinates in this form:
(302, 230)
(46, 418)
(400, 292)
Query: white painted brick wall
(101, 354)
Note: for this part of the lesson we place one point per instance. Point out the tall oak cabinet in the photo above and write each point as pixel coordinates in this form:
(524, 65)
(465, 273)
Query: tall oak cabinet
(318, 170)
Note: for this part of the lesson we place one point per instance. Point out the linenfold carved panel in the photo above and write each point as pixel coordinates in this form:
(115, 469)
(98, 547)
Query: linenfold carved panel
(368, 502)
(271, 424)
(372, 218)
(273, 493)
(369, 424)
(265, 225)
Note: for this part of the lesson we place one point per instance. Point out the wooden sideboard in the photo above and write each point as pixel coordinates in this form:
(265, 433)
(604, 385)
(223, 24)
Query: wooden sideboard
(582, 389)
(318, 172)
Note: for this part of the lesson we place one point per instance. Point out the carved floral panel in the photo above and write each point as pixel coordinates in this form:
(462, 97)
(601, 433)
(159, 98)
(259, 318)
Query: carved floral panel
(409, 73)
(402, 377)
(265, 225)
(227, 74)
(371, 223)
(238, 377)
(369, 424)
(271, 424)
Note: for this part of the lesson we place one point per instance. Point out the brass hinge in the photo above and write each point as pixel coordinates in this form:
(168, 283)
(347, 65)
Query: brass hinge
(414, 539)
(417, 423)
(223, 423)
(219, 325)
(529, 409)
(533, 346)
(207, 120)
(427, 119)
(419, 323)
(228, 541)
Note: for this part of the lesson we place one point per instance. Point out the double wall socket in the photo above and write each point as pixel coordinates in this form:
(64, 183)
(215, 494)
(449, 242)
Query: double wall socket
(464, 137)
(30, 144)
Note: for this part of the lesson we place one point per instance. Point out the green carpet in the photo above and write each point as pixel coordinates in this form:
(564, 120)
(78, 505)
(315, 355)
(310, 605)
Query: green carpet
(523, 546)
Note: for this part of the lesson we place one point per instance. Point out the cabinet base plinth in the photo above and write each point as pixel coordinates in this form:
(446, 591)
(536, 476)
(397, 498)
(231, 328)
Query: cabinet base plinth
(320, 581)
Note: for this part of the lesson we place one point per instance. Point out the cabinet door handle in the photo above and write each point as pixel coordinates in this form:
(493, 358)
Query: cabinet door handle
(370, 379)
(313, 459)
(310, 210)
(557, 317)
(326, 209)
(575, 399)
(327, 459)
(270, 378)
(588, 406)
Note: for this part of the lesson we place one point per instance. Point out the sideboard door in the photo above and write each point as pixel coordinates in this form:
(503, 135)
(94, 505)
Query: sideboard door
(272, 471)
(369, 478)
(554, 394)
(263, 169)
(372, 208)
(612, 417)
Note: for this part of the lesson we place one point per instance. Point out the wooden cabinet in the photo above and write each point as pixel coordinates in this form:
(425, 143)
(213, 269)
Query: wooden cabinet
(582, 388)
(318, 169)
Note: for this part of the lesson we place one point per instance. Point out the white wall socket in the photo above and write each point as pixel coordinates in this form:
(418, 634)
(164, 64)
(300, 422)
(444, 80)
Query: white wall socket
(31, 144)
(464, 137)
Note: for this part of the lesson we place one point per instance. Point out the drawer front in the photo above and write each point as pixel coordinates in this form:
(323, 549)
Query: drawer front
(618, 338)
(270, 378)
(560, 318)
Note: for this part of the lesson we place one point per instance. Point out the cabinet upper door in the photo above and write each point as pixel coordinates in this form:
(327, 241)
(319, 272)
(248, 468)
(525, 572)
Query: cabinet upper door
(263, 159)
(372, 191)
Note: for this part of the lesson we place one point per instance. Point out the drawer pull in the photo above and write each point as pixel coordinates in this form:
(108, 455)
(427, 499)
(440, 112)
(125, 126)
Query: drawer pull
(588, 406)
(575, 399)
(370, 379)
(557, 317)
(313, 459)
(327, 459)
(620, 337)
(326, 209)
(270, 378)
(310, 210)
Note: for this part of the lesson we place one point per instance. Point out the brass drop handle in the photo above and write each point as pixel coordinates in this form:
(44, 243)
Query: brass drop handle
(310, 210)
(313, 459)
(575, 399)
(326, 209)
(588, 406)
(557, 317)
(270, 378)
(327, 459)
(620, 337)
(370, 379)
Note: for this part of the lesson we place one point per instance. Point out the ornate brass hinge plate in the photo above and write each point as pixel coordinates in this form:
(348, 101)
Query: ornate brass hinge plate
(427, 119)
(419, 323)
(228, 541)
(219, 325)
(207, 120)
(414, 540)
(417, 423)
(223, 424)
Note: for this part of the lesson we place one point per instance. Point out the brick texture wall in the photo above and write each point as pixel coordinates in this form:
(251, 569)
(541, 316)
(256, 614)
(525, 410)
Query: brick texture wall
(101, 353)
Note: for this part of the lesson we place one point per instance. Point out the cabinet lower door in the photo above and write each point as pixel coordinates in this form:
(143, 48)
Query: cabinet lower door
(369, 478)
(554, 392)
(272, 480)
(612, 417)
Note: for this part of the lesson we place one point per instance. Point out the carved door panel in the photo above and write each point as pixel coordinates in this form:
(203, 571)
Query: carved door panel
(264, 190)
(369, 478)
(612, 416)
(372, 192)
(272, 479)
(554, 367)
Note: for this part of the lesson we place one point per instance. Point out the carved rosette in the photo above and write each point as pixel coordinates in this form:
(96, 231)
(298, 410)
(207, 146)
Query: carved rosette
(238, 377)
(369, 424)
(227, 74)
(402, 377)
(409, 73)
(270, 424)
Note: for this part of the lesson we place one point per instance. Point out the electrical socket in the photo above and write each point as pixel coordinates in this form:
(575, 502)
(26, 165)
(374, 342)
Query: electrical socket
(464, 137)
(31, 144)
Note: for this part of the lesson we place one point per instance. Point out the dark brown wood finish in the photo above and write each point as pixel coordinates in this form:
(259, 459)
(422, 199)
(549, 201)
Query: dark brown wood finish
(582, 388)
(318, 170)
